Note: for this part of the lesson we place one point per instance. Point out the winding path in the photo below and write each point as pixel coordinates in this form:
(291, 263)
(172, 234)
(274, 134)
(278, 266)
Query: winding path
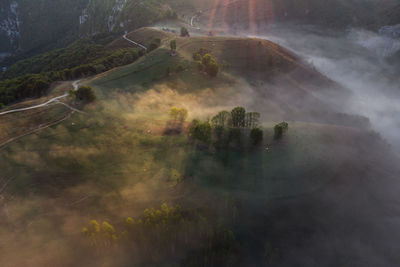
(54, 100)
(133, 42)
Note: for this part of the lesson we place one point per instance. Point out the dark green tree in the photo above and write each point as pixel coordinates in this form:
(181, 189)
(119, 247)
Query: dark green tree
(201, 131)
(85, 94)
(238, 115)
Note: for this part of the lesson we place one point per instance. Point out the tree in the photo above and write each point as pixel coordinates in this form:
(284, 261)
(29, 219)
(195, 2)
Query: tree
(85, 94)
(256, 136)
(184, 32)
(172, 44)
(252, 119)
(222, 119)
(210, 65)
(178, 114)
(238, 117)
(201, 131)
(280, 129)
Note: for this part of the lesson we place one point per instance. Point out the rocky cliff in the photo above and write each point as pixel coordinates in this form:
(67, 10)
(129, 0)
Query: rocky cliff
(27, 25)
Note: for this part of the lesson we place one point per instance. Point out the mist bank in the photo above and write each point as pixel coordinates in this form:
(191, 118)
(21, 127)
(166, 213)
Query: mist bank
(356, 59)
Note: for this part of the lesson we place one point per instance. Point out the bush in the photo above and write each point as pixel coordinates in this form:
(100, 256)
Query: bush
(256, 136)
(85, 94)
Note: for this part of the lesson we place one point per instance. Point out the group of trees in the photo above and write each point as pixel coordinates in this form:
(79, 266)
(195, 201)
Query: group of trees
(32, 85)
(163, 217)
(163, 233)
(227, 128)
(206, 62)
(32, 77)
(237, 118)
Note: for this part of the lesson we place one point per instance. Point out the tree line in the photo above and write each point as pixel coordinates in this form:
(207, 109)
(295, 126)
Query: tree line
(164, 233)
(230, 129)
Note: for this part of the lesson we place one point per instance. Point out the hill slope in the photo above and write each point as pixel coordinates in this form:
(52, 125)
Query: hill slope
(265, 70)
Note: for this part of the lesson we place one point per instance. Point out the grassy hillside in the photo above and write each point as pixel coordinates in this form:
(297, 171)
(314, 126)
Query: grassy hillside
(257, 67)
(161, 200)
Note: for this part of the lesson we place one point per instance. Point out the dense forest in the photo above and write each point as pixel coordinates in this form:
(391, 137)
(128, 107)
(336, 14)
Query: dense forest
(32, 77)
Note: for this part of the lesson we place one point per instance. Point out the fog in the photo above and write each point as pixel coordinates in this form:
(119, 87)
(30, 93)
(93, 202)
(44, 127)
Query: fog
(355, 59)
